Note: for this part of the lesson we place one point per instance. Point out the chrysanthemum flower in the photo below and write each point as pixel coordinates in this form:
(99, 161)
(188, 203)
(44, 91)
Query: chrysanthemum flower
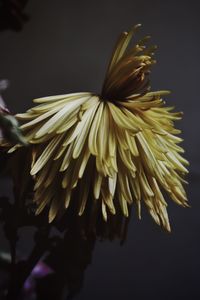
(116, 148)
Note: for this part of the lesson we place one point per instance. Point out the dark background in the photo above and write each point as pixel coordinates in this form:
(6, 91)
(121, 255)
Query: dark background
(65, 48)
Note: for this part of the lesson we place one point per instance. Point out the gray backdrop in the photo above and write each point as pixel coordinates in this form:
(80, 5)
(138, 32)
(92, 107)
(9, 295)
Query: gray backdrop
(65, 48)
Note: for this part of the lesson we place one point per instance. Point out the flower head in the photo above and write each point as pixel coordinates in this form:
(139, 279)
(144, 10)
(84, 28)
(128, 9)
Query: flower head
(111, 150)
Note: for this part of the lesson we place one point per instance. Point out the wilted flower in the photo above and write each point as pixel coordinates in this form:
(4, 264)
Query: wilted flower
(108, 150)
(12, 15)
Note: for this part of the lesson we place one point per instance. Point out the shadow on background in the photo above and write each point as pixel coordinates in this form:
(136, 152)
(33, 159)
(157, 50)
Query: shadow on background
(60, 253)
